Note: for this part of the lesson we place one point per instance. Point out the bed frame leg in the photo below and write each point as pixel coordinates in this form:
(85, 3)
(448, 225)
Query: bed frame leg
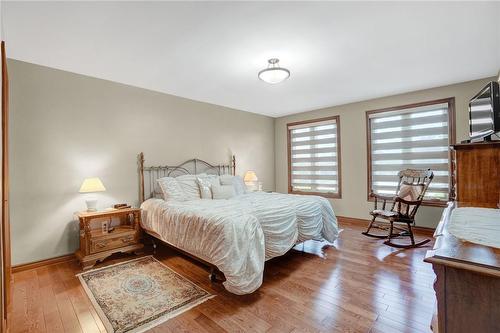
(212, 276)
(154, 245)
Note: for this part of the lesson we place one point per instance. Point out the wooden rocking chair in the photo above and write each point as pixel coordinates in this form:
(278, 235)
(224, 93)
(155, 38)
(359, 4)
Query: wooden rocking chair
(410, 192)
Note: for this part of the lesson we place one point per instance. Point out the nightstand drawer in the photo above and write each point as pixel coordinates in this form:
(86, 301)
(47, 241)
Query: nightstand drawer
(99, 245)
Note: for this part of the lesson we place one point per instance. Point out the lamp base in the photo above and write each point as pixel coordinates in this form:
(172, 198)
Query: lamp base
(91, 205)
(253, 186)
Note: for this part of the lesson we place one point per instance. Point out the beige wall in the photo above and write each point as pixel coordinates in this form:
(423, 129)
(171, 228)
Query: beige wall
(353, 149)
(65, 127)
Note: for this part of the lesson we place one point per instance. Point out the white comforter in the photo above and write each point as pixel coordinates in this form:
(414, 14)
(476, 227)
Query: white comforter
(237, 235)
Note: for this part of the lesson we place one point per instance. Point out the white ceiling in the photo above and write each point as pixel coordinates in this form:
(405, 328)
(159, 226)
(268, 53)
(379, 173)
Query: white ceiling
(337, 52)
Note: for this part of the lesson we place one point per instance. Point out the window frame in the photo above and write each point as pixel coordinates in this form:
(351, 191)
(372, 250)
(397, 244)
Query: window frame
(451, 141)
(337, 195)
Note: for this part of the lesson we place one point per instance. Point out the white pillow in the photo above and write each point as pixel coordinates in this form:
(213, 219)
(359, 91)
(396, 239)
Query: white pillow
(226, 179)
(171, 189)
(236, 181)
(239, 185)
(190, 187)
(222, 191)
(205, 183)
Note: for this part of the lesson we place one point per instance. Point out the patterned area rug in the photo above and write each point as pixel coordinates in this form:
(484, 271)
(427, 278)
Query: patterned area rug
(139, 294)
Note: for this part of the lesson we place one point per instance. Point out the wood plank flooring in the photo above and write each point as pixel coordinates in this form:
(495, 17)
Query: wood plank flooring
(356, 285)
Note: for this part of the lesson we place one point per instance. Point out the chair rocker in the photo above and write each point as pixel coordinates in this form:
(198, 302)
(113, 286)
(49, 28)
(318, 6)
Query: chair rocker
(411, 190)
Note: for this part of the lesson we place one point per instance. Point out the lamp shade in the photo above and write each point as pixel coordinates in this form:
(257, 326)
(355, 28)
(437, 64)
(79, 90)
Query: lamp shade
(250, 176)
(92, 185)
(274, 73)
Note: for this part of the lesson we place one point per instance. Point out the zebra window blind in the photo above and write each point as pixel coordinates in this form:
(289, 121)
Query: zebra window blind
(411, 137)
(314, 157)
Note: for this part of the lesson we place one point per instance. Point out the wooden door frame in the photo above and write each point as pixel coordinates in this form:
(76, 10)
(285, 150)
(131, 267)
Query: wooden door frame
(5, 228)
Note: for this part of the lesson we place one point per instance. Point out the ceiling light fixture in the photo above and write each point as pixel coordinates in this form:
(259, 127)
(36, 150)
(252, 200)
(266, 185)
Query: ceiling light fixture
(274, 73)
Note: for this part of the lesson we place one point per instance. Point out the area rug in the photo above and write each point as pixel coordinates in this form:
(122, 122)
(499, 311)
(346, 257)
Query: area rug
(139, 294)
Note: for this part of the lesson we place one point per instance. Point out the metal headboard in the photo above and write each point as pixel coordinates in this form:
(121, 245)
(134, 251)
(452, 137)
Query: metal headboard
(149, 174)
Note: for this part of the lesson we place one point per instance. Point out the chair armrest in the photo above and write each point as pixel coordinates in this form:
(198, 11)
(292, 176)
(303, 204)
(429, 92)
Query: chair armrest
(398, 199)
(381, 197)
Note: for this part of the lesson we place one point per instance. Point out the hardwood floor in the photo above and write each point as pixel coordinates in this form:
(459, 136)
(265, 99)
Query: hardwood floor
(356, 285)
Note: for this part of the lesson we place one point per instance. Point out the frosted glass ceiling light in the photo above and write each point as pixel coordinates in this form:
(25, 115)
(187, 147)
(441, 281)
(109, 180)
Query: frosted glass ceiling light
(274, 73)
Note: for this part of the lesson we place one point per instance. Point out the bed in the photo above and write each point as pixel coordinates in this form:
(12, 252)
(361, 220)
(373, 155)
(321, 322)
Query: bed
(235, 235)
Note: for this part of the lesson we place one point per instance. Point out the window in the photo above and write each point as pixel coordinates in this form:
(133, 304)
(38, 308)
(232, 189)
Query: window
(314, 157)
(413, 136)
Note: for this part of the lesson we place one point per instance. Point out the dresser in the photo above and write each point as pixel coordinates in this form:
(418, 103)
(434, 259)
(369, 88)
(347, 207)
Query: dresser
(477, 173)
(467, 282)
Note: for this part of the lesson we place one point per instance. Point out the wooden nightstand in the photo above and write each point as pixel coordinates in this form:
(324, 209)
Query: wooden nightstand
(96, 246)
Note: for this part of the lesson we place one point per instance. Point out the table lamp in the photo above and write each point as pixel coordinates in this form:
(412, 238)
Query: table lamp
(251, 179)
(92, 185)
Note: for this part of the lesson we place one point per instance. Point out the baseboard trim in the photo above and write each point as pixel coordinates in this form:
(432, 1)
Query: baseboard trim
(45, 262)
(352, 219)
(422, 230)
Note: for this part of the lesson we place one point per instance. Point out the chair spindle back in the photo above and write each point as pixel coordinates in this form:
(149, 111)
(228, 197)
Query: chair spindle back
(412, 177)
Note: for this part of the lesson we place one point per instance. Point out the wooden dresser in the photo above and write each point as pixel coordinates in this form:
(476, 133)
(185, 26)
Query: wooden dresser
(468, 275)
(477, 173)
(467, 284)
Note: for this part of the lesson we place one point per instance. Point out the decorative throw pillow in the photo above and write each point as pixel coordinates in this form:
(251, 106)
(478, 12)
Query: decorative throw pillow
(171, 189)
(205, 183)
(409, 192)
(222, 191)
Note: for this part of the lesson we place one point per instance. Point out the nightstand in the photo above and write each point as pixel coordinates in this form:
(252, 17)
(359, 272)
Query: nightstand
(96, 245)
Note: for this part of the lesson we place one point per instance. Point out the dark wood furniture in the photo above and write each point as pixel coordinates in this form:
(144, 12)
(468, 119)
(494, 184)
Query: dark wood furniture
(467, 284)
(96, 246)
(402, 211)
(477, 173)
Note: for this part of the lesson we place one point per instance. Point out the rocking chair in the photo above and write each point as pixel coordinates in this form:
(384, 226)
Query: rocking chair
(410, 192)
